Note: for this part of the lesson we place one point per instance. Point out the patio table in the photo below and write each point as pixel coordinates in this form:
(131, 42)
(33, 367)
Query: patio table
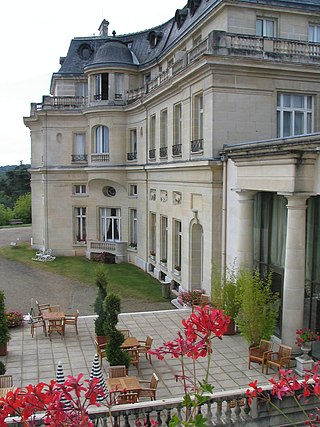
(130, 342)
(123, 383)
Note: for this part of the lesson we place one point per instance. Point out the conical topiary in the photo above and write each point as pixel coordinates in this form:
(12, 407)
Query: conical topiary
(4, 330)
(101, 282)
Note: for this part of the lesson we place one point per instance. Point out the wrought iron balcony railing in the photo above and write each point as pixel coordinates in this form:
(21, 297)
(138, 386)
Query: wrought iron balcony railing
(197, 146)
(177, 150)
(132, 156)
(79, 158)
(163, 152)
(152, 154)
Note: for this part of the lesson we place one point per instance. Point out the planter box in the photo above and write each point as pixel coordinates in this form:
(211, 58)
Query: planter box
(3, 349)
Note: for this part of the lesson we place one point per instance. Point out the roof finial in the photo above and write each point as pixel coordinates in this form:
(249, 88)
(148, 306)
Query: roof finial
(114, 33)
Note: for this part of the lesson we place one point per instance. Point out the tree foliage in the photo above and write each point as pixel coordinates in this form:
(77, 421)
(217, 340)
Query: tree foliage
(14, 182)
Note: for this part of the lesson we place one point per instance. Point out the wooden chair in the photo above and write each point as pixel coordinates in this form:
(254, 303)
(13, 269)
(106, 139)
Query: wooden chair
(72, 319)
(54, 308)
(149, 392)
(101, 351)
(6, 381)
(125, 332)
(134, 357)
(117, 371)
(127, 397)
(56, 326)
(38, 322)
(280, 358)
(144, 346)
(42, 307)
(259, 354)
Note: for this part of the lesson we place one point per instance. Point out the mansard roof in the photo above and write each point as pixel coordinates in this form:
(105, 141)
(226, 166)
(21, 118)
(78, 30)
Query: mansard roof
(145, 46)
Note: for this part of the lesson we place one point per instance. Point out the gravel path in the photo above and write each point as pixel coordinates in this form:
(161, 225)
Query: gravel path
(23, 285)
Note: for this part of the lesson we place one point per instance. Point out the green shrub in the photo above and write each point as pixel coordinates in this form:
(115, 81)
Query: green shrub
(2, 368)
(101, 282)
(4, 330)
(22, 208)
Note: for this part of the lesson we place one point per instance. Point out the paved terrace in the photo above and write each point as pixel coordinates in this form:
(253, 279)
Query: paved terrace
(31, 360)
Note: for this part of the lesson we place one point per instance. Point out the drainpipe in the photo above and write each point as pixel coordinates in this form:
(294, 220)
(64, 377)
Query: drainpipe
(224, 161)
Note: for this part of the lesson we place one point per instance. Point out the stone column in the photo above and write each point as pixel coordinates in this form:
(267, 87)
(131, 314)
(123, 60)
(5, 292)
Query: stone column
(294, 274)
(245, 228)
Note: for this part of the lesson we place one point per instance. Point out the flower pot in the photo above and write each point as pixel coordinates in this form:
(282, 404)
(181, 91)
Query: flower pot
(306, 348)
(3, 349)
(231, 329)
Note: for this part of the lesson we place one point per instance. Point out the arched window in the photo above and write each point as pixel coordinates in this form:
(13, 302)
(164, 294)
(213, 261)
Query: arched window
(101, 140)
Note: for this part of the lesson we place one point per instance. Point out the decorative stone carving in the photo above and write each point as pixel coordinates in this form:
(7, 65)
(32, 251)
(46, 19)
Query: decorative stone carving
(163, 196)
(153, 194)
(177, 198)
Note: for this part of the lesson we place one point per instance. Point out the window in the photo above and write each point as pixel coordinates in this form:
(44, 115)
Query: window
(198, 117)
(164, 239)
(133, 190)
(118, 90)
(110, 221)
(101, 139)
(294, 114)
(314, 33)
(133, 228)
(132, 154)
(152, 138)
(164, 128)
(177, 238)
(177, 124)
(80, 225)
(101, 89)
(79, 147)
(82, 89)
(265, 27)
(152, 235)
(79, 189)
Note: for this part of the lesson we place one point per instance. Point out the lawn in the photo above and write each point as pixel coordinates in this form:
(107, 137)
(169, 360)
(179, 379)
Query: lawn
(126, 280)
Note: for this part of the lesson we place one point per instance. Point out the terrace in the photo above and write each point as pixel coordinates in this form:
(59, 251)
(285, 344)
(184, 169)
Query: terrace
(34, 360)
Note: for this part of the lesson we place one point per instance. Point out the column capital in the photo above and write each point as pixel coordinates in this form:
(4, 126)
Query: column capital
(244, 194)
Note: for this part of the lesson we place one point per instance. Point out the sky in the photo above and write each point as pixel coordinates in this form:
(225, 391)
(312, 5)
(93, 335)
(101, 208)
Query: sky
(36, 33)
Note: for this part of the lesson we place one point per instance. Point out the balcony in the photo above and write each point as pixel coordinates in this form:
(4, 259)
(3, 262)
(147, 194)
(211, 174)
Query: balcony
(152, 154)
(177, 150)
(132, 156)
(118, 249)
(197, 146)
(103, 157)
(163, 152)
(79, 158)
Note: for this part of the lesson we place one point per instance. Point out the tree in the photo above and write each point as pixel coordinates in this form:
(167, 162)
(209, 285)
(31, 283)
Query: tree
(14, 183)
(5, 215)
(101, 282)
(22, 208)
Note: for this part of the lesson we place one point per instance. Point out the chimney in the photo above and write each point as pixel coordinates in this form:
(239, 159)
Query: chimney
(103, 29)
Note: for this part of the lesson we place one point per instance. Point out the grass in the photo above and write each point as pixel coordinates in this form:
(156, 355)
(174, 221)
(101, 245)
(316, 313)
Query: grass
(127, 280)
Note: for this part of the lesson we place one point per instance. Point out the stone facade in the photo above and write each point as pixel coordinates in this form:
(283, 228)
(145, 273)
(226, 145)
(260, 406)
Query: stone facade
(143, 149)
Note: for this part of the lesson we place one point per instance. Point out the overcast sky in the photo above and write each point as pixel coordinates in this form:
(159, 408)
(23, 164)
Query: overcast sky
(35, 33)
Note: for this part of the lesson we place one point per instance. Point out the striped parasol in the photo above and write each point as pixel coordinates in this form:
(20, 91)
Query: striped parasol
(60, 380)
(97, 373)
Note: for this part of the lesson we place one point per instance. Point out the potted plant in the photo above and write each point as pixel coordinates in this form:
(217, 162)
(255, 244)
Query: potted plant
(101, 282)
(14, 318)
(4, 331)
(2, 368)
(114, 353)
(258, 307)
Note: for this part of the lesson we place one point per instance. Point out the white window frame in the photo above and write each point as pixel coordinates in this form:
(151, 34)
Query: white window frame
(164, 128)
(314, 33)
(177, 243)
(133, 141)
(133, 190)
(80, 224)
(118, 85)
(198, 117)
(164, 238)
(152, 139)
(153, 233)
(79, 144)
(110, 223)
(288, 114)
(265, 26)
(101, 140)
(133, 227)
(82, 89)
(177, 124)
(80, 189)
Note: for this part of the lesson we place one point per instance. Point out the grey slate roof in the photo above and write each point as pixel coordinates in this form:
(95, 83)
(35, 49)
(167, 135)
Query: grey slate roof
(112, 49)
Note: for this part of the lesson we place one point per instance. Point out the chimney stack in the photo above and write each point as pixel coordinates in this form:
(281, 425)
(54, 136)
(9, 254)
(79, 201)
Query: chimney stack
(103, 29)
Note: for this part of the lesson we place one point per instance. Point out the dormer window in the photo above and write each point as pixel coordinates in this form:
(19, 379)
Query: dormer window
(193, 6)
(85, 51)
(180, 16)
(154, 38)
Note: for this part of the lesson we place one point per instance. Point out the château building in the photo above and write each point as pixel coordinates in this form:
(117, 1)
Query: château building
(193, 142)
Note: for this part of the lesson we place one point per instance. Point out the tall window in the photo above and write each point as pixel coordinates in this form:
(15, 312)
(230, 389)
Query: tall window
(164, 239)
(177, 124)
(79, 145)
(118, 81)
(198, 117)
(177, 239)
(265, 27)
(152, 234)
(101, 86)
(110, 221)
(133, 227)
(82, 89)
(152, 141)
(80, 225)
(164, 128)
(132, 154)
(314, 33)
(101, 139)
(294, 114)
